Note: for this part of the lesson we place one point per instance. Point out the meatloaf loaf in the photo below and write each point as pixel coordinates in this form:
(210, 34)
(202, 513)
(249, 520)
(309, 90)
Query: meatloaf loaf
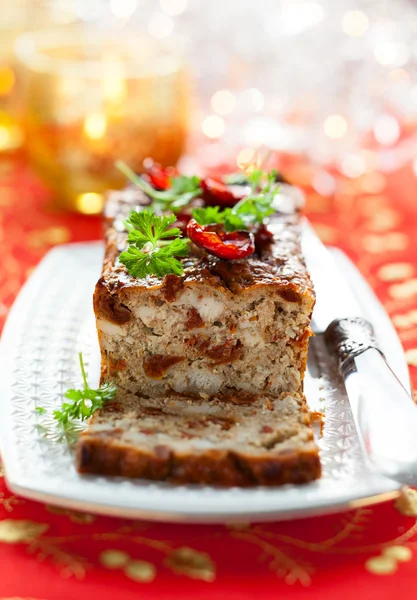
(222, 326)
(184, 348)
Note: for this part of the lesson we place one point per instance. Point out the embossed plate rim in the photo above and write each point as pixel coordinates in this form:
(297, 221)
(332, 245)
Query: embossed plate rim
(143, 499)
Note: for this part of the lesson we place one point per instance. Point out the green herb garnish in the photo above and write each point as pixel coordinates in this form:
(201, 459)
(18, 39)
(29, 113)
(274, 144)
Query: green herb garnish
(183, 189)
(249, 211)
(239, 178)
(256, 178)
(212, 215)
(83, 403)
(150, 252)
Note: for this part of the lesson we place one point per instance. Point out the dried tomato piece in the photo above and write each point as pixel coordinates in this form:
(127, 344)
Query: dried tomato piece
(217, 193)
(160, 177)
(263, 238)
(227, 245)
(182, 219)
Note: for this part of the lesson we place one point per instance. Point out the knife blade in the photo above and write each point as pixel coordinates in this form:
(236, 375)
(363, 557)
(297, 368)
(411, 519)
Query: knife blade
(384, 412)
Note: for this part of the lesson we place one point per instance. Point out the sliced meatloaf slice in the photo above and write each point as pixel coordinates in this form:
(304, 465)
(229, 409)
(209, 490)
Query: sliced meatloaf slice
(238, 440)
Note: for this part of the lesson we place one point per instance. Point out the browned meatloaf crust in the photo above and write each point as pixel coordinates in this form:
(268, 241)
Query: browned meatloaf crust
(236, 441)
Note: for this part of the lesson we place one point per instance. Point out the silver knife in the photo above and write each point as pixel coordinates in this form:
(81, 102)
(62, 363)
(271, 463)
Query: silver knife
(384, 412)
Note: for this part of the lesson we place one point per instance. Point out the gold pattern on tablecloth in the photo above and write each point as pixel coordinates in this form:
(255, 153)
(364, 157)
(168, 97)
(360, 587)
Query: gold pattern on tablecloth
(187, 561)
(17, 532)
(366, 207)
(395, 271)
(371, 183)
(411, 356)
(73, 515)
(352, 526)
(68, 564)
(406, 320)
(406, 503)
(182, 561)
(279, 561)
(399, 553)
(378, 244)
(383, 220)
(137, 570)
(275, 548)
(381, 565)
(7, 502)
(114, 559)
(387, 562)
(239, 525)
(407, 289)
(140, 570)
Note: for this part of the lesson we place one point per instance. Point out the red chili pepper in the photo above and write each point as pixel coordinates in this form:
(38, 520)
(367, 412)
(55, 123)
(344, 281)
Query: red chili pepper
(217, 193)
(160, 177)
(229, 246)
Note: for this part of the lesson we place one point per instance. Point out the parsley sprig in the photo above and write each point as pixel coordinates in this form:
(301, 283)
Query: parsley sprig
(183, 189)
(150, 252)
(250, 211)
(84, 402)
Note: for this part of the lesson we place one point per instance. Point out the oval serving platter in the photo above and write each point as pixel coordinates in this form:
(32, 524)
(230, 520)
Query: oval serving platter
(52, 319)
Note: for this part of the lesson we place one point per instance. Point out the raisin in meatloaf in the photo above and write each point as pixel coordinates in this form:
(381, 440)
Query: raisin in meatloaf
(209, 365)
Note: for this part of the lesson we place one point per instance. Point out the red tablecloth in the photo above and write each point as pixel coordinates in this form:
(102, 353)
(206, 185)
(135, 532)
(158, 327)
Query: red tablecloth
(47, 553)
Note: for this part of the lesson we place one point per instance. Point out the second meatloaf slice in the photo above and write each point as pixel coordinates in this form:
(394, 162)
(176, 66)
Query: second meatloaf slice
(221, 327)
(240, 439)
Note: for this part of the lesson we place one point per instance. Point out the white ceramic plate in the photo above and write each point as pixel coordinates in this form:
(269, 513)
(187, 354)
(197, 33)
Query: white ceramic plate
(52, 319)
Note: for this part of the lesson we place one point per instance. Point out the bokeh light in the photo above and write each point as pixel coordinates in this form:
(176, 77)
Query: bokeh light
(253, 99)
(353, 165)
(324, 183)
(335, 126)
(355, 23)
(173, 7)
(95, 125)
(223, 102)
(123, 9)
(89, 203)
(386, 130)
(160, 25)
(386, 53)
(213, 126)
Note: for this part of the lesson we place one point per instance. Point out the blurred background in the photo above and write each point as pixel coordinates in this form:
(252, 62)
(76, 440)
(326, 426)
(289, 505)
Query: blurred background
(330, 87)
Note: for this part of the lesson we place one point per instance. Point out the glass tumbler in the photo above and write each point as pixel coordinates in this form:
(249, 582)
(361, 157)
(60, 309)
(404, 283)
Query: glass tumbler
(92, 98)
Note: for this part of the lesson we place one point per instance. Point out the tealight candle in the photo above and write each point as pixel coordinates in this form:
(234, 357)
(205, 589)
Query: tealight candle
(94, 98)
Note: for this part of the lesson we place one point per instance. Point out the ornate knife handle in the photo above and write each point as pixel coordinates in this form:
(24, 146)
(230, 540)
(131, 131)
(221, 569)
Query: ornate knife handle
(383, 410)
(350, 337)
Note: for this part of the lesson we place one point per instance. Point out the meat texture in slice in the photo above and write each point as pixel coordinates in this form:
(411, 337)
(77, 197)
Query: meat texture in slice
(222, 326)
(237, 440)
